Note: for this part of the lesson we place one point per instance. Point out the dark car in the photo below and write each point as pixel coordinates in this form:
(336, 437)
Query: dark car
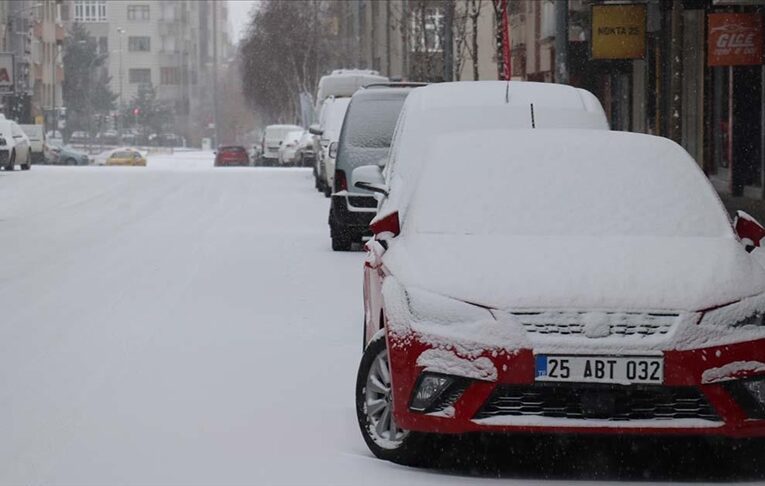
(364, 140)
(231, 155)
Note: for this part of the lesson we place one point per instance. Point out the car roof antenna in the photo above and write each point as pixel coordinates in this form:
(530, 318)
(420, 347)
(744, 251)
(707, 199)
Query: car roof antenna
(533, 122)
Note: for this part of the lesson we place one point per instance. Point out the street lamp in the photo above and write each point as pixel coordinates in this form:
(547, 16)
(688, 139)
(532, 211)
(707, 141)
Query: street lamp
(121, 32)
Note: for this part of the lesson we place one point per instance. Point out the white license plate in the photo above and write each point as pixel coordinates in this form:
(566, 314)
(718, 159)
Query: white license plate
(600, 369)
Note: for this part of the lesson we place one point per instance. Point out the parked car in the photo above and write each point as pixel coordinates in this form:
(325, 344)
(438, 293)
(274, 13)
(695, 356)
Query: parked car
(65, 155)
(308, 148)
(364, 139)
(328, 130)
(36, 137)
(14, 146)
(127, 156)
(288, 150)
(231, 155)
(273, 136)
(582, 282)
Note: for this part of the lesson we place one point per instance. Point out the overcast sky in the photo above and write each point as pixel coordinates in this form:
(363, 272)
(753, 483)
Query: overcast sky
(238, 15)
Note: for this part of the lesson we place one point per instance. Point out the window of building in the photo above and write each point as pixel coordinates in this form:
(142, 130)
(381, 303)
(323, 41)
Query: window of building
(139, 76)
(138, 12)
(169, 75)
(139, 44)
(90, 10)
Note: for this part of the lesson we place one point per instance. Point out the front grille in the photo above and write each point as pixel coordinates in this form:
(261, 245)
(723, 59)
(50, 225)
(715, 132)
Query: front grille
(573, 323)
(598, 402)
(362, 201)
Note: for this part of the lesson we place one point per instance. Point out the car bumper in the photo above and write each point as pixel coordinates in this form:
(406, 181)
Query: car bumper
(352, 211)
(513, 402)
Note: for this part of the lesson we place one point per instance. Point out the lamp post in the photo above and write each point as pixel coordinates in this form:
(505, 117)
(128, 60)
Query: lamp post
(120, 32)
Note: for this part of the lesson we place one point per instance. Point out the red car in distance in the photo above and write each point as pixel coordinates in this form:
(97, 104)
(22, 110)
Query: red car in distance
(233, 155)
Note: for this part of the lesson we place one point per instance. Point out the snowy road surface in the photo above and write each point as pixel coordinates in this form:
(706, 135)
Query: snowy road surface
(180, 324)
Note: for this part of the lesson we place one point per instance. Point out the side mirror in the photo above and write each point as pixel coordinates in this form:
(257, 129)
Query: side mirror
(749, 230)
(333, 150)
(369, 178)
(315, 130)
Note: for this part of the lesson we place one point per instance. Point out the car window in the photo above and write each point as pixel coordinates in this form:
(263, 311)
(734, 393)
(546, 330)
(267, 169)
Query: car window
(371, 122)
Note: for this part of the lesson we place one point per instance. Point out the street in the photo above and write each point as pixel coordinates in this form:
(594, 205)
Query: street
(179, 324)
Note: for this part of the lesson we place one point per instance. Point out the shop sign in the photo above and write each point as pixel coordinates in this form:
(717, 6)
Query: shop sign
(618, 31)
(6, 73)
(735, 39)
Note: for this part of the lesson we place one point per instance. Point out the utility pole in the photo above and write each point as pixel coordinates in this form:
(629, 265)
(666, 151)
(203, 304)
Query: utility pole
(215, 71)
(561, 41)
(448, 41)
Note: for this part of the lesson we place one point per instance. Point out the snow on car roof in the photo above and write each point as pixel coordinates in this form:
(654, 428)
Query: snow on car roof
(556, 182)
(513, 93)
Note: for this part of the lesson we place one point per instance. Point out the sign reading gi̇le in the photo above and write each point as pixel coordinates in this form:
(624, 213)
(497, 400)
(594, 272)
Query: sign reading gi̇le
(618, 31)
(735, 39)
(6, 73)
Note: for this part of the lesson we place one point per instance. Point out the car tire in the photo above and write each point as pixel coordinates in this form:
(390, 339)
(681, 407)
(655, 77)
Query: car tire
(327, 190)
(341, 243)
(70, 161)
(11, 161)
(28, 164)
(407, 447)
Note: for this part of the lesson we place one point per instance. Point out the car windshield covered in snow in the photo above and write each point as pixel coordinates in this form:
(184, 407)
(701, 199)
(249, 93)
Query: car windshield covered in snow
(563, 183)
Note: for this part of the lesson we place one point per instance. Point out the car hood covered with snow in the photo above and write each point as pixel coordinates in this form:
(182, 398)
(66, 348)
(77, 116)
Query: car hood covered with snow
(604, 273)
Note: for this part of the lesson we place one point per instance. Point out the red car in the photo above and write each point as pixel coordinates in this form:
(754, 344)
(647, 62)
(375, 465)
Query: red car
(583, 282)
(231, 156)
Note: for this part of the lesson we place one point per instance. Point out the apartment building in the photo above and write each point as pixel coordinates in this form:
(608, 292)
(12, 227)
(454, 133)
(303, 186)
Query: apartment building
(47, 73)
(167, 44)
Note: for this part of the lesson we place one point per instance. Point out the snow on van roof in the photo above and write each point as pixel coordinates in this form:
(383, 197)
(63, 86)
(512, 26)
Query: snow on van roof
(345, 84)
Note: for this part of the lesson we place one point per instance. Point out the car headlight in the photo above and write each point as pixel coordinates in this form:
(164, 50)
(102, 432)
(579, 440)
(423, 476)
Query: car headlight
(435, 308)
(748, 312)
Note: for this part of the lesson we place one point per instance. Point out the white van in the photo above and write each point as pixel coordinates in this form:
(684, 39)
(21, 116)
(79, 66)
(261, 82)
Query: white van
(330, 123)
(273, 137)
(343, 83)
(36, 136)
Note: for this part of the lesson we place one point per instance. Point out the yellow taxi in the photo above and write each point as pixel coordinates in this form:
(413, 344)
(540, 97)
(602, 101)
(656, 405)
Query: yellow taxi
(126, 157)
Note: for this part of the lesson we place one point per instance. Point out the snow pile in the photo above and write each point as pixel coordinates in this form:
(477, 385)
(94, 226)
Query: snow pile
(448, 363)
(732, 371)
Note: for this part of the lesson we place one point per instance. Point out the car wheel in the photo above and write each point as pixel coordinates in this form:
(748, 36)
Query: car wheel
(341, 243)
(11, 161)
(327, 190)
(374, 411)
(70, 161)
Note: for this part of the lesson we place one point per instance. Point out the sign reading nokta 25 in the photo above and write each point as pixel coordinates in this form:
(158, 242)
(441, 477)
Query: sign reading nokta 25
(735, 39)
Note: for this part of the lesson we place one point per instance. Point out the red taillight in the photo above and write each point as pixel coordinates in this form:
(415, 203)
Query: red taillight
(386, 224)
(341, 183)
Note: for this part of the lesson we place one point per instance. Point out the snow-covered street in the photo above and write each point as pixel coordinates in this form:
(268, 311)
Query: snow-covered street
(179, 324)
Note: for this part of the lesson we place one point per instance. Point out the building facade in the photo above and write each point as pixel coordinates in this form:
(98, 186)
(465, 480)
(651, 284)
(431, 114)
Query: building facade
(169, 45)
(689, 70)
